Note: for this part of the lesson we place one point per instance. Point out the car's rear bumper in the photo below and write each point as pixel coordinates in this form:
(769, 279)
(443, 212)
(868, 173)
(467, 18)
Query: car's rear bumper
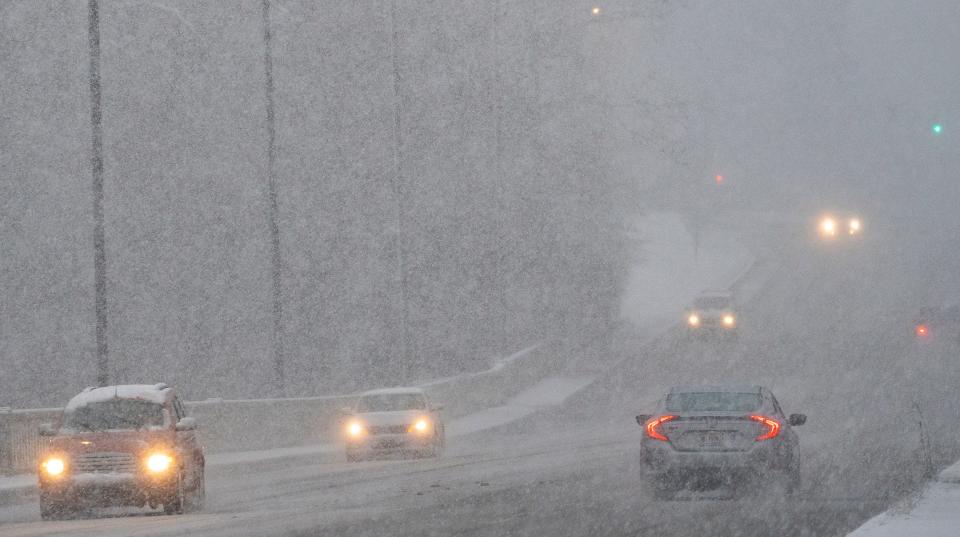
(759, 459)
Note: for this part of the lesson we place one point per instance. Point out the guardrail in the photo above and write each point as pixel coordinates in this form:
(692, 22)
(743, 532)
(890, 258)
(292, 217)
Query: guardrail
(253, 424)
(20, 445)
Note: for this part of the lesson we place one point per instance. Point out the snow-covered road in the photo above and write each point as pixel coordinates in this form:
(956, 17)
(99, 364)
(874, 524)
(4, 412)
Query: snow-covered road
(826, 334)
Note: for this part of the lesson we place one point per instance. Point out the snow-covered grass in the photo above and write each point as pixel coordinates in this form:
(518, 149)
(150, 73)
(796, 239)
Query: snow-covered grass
(933, 514)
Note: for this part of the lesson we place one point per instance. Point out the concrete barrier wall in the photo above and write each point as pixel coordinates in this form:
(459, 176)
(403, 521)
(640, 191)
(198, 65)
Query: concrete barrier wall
(254, 424)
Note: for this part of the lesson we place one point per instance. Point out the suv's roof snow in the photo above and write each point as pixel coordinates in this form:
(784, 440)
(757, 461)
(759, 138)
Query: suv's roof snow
(155, 393)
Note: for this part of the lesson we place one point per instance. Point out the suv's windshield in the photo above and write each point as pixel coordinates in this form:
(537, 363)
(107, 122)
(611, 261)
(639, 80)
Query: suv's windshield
(713, 401)
(391, 401)
(116, 414)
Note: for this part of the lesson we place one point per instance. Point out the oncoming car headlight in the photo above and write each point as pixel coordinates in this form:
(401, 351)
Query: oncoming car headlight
(53, 466)
(420, 426)
(355, 429)
(828, 226)
(693, 319)
(855, 226)
(159, 462)
(729, 320)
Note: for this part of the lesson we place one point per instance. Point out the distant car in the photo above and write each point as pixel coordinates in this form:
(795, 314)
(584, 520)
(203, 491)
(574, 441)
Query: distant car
(128, 445)
(710, 436)
(394, 420)
(713, 312)
(937, 324)
(839, 226)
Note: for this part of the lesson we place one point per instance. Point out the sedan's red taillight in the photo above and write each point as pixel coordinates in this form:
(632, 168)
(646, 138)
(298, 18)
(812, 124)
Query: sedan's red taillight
(653, 427)
(922, 330)
(772, 425)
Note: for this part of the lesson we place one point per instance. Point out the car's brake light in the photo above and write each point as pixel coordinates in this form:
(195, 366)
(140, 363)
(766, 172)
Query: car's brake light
(922, 330)
(653, 426)
(773, 427)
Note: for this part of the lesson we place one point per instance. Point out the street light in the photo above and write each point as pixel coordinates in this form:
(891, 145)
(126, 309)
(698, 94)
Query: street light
(595, 11)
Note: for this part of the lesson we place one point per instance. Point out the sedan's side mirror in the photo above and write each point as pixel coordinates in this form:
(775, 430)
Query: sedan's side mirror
(642, 419)
(46, 429)
(187, 424)
(797, 419)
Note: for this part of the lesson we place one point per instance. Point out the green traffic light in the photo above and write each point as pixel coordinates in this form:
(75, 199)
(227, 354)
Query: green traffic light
(937, 128)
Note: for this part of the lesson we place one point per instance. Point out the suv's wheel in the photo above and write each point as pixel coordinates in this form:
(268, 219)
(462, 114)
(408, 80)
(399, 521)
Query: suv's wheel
(174, 504)
(198, 494)
(50, 510)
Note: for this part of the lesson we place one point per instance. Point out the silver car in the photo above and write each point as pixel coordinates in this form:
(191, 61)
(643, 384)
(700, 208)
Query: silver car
(705, 437)
(713, 313)
(393, 420)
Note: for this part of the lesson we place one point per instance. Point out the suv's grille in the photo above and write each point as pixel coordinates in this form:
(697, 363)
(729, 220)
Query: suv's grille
(388, 429)
(105, 463)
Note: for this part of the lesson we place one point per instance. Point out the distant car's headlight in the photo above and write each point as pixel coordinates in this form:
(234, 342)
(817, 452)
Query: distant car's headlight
(420, 426)
(355, 429)
(854, 226)
(159, 462)
(828, 226)
(53, 466)
(693, 319)
(729, 320)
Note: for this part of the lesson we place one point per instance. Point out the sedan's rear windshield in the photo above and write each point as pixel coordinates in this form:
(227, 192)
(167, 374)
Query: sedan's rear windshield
(116, 414)
(391, 401)
(713, 401)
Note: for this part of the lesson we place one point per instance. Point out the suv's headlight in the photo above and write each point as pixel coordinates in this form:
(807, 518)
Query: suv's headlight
(53, 466)
(159, 462)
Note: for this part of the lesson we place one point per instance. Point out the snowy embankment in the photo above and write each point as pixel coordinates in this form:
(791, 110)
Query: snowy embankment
(932, 513)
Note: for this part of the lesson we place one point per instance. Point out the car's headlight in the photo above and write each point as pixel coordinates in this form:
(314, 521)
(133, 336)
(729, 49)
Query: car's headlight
(420, 426)
(693, 319)
(729, 320)
(53, 466)
(828, 226)
(159, 462)
(355, 429)
(854, 226)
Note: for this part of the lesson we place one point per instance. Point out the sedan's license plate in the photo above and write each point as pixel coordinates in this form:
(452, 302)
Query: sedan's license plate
(711, 439)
